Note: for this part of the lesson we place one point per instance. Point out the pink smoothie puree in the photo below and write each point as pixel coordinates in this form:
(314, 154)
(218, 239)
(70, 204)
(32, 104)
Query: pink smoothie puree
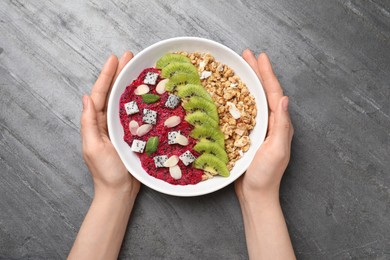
(190, 175)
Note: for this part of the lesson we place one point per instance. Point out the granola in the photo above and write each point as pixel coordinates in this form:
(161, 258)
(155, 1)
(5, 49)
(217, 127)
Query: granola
(236, 105)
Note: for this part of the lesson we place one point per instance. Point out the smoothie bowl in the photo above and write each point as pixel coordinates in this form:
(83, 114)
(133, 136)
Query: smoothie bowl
(187, 116)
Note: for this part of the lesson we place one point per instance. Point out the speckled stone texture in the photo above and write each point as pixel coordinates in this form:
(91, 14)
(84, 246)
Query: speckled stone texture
(332, 58)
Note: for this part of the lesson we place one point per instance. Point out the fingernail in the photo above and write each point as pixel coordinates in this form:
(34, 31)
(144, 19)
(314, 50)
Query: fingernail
(85, 102)
(285, 104)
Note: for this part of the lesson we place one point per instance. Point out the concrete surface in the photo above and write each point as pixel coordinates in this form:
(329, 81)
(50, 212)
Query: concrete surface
(332, 57)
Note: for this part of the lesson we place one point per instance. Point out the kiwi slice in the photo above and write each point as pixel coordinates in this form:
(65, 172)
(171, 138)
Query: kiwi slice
(182, 78)
(174, 67)
(207, 133)
(200, 118)
(189, 90)
(198, 103)
(170, 58)
(213, 149)
(211, 163)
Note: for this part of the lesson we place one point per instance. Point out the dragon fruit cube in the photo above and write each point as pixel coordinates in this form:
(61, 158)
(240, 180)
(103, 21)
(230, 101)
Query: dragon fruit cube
(150, 116)
(150, 78)
(138, 146)
(172, 136)
(172, 101)
(187, 158)
(160, 160)
(131, 108)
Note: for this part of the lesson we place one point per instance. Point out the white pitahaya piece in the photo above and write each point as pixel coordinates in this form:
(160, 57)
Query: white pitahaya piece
(131, 108)
(150, 78)
(172, 136)
(149, 116)
(172, 101)
(160, 160)
(187, 158)
(138, 146)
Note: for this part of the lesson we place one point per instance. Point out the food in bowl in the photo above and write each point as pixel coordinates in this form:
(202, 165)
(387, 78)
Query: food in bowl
(188, 119)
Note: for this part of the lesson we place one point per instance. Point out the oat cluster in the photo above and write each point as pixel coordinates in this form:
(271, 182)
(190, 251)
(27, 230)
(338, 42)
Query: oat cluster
(236, 106)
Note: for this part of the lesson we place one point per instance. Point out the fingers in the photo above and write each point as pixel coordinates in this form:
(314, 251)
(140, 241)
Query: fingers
(271, 84)
(89, 124)
(282, 130)
(126, 57)
(250, 58)
(102, 85)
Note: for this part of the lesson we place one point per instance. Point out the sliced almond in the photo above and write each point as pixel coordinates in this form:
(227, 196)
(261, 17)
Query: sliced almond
(202, 64)
(144, 129)
(160, 88)
(133, 126)
(175, 172)
(172, 161)
(181, 139)
(233, 110)
(242, 141)
(239, 131)
(141, 89)
(172, 121)
(205, 74)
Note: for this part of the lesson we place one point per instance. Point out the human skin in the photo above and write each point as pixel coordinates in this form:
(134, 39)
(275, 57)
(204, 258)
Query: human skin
(115, 190)
(258, 189)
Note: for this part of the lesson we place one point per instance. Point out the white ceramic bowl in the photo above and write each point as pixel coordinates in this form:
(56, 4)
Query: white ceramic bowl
(147, 58)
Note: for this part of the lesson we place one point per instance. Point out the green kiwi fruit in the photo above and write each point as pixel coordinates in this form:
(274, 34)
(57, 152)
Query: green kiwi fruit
(174, 67)
(170, 58)
(182, 78)
(207, 133)
(189, 90)
(211, 148)
(198, 103)
(200, 118)
(211, 163)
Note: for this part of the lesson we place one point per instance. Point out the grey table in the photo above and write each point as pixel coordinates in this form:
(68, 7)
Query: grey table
(332, 58)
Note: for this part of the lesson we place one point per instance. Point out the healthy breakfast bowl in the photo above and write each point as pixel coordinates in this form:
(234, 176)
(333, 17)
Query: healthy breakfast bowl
(187, 116)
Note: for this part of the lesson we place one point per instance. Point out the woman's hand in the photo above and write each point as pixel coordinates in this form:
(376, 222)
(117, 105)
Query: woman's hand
(108, 172)
(262, 178)
(104, 226)
(258, 189)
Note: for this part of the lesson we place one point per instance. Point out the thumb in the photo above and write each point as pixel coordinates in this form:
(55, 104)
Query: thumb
(89, 126)
(282, 128)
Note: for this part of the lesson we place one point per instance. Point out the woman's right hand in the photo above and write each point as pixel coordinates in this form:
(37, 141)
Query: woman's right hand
(108, 171)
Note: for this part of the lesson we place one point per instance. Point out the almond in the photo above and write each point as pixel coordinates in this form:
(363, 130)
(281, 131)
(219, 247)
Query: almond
(160, 88)
(141, 89)
(175, 172)
(181, 139)
(144, 129)
(133, 126)
(172, 161)
(172, 121)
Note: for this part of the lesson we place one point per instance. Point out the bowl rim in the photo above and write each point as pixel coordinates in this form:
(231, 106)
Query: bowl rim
(111, 103)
